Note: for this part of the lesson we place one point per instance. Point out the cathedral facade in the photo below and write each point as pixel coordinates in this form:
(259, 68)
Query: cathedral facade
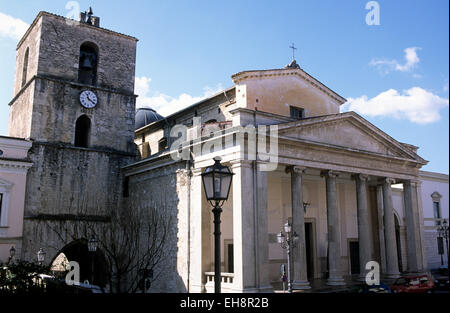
(294, 156)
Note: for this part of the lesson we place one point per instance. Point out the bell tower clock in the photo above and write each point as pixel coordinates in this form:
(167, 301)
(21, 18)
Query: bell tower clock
(74, 99)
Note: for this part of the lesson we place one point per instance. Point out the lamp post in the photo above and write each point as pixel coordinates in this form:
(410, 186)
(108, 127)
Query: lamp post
(288, 241)
(216, 182)
(41, 256)
(305, 205)
(92, 247)
(12, 253)
(443, 232)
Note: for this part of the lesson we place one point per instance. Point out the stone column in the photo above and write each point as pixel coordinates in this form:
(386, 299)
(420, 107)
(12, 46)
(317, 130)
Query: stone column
(200, 225)
(389, 230)
(250, 229)
(299, 270)
(380, 211)
(365, 247)
(412, 227)
(334, 233)
(262, 234)
(421, 226)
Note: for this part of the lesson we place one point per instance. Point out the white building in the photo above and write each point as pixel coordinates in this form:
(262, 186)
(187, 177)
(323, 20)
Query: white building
(435, 210)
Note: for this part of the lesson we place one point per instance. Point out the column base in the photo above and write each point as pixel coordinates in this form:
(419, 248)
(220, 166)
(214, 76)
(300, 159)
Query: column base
(392, 275)
(301, 284)
(245, 290)
(362, 278)
(335, 281)
(197, 289)
(266, 289)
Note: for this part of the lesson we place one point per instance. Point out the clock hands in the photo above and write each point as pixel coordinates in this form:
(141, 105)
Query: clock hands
(90, 99)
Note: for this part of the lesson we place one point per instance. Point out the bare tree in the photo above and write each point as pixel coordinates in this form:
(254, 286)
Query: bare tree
(134, 240)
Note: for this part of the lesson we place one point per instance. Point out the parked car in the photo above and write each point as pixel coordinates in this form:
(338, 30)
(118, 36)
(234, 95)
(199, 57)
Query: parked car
(413, 284)
(381, 288)
(440, 276)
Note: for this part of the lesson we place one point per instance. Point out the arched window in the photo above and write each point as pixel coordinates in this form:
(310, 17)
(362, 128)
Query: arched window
(25, 67)
(82, 131)
(87, 67)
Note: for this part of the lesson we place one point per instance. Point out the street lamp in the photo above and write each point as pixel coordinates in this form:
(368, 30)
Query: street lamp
(443, 232)
(12, 253)
(288, 241)
(92, 247)
(216, 182)
(41, 256)
(305, 205)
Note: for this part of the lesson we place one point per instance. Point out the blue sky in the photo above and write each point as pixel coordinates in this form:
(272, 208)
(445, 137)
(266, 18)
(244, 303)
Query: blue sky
(395, 74)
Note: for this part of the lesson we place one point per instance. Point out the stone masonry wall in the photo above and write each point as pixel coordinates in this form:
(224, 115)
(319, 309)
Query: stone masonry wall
(67, 181)
(56, 108)
(32, 43)
(60, 50)
(20, 113)
(431, 245)
(165, 190)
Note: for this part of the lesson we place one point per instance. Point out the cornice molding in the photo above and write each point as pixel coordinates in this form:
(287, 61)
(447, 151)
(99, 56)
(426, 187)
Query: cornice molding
(241, 76)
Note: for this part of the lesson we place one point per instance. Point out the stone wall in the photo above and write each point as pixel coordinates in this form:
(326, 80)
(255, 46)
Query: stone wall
(30, 41)
(433, 257)
(165, 189)
(56, 107)
(20, 114)
(59, 50)
(65, 183)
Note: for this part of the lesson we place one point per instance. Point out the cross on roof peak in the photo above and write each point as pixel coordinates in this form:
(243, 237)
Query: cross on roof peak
(293, 51)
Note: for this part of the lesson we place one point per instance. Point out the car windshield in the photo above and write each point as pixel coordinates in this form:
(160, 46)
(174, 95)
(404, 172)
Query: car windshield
(401, 281)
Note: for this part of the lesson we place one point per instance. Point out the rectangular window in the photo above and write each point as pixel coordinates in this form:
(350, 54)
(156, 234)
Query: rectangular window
(437, 212)
(297, 113)
(125, 187)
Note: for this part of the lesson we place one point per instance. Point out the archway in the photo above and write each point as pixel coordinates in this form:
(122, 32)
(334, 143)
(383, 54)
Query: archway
(87, 68)
(93, 266)
(82, 131)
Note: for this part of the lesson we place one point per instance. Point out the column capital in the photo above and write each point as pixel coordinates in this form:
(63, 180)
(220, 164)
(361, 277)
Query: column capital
(387, 180)
(412, 182)
(197, 171)
(295, 169)
(329, 174)
(241, 163)
(363, 177)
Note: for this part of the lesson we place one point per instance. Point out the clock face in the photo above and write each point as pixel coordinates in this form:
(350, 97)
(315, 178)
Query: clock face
(88, 99)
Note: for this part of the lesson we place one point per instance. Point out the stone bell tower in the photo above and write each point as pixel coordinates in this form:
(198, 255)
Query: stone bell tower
(74, 99)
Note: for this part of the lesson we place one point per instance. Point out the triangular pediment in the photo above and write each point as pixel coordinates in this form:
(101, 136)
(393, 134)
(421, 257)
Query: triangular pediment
(348, 131)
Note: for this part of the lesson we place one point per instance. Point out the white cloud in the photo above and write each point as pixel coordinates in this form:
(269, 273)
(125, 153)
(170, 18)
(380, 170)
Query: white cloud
(12, 27)
(415, 104)
(386, 66)
(165, 104)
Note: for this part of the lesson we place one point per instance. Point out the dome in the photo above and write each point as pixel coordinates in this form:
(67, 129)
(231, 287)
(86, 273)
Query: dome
(145, 116)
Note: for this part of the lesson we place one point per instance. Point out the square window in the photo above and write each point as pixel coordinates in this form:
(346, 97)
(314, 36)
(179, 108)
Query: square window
(297, 113)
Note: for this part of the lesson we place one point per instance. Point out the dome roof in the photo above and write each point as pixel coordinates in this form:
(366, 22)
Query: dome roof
(145, 116)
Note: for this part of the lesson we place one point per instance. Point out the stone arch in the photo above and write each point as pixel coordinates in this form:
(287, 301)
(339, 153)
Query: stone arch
(25, 67)
(93, 265)
(87, 64)
(82, 131)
